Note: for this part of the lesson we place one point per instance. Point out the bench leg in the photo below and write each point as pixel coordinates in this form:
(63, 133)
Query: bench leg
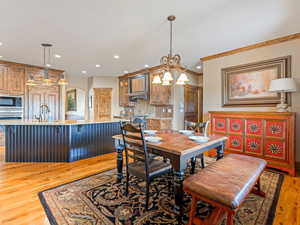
(229, 218)
(192, 211)
(257, 189)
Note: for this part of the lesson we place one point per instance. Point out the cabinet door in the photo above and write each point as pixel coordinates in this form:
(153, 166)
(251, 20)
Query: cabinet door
(41, 95)
(52, 100)
(159, 94)
(3, 79)
(35, 99)
(16, 80)
(123, 92)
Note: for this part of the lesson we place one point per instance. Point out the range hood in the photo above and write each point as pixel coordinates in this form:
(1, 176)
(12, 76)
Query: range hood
(139, 87)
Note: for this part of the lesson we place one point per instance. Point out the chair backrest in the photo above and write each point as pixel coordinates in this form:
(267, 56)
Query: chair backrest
(138, 121)
(197, 127)
(134, 144)
(188, 125)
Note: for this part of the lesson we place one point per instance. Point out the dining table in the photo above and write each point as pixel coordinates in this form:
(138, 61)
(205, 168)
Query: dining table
(180, 150)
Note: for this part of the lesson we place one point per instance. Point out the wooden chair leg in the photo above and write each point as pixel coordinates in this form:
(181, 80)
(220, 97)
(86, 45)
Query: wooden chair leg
(192, 210)
(147, 195)
(229, 218)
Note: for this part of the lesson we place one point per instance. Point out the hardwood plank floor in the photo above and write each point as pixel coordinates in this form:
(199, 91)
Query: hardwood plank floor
(20, 183)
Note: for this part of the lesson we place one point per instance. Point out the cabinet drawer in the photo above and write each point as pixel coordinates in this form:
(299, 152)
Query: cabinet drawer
(275, 149)
(254, 145)
(275, 128)
(254, 127)
(235, 143)
(219, 125)
(236, 126)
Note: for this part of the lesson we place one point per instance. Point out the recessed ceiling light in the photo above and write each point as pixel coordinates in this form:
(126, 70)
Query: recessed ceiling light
(1, 43)
(97, 65)
(198, 67)
(146, 66)
(57, 56)
(125, 71)
(48, 65)
(116, 57)
(1, 56)
(83, 71)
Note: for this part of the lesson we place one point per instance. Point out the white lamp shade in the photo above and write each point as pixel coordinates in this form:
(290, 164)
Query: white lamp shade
(167, 76)
(180, 82)
(183, 77)
(166, 82)
(156, 80)
(283, 85)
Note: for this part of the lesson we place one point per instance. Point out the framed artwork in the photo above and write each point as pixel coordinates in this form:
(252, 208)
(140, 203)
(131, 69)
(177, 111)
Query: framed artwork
(71, 96)
(248, 85)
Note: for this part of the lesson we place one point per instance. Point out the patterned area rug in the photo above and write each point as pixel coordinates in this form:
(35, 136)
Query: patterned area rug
(98, 199)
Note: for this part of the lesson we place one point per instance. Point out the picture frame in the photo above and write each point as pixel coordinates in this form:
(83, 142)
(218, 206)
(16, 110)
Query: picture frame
(71, 100)
(248, 84)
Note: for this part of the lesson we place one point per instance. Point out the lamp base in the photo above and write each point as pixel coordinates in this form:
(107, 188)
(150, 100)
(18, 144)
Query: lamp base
(282, 107)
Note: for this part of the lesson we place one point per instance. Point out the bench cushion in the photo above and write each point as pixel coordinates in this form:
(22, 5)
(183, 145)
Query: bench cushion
(227, 181)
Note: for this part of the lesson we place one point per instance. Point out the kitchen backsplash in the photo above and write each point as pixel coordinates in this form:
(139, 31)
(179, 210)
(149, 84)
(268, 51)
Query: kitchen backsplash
(142, 107)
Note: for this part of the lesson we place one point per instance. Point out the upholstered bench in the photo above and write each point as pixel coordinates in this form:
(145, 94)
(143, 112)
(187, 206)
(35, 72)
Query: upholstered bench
(224, 184)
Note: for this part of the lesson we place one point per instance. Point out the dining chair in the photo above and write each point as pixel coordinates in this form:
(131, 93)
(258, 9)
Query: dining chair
(199, 128)
(138, 121)
(143, 166)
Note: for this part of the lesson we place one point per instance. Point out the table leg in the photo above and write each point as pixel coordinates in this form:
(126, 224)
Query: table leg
(119, 164)
(179, 176)
(220, 151)
(193, 165)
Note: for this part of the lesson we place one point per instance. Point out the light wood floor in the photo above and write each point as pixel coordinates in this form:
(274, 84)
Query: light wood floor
(20, 183)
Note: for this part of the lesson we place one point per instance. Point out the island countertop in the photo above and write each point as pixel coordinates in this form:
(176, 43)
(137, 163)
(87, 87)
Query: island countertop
(55, 122)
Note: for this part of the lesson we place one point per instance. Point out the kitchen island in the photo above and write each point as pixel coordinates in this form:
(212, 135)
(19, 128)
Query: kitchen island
(58, 141)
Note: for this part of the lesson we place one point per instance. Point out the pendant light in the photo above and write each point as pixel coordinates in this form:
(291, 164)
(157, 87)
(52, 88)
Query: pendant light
(169, 62)
(156, 79)
(46, 81)
(62, 81)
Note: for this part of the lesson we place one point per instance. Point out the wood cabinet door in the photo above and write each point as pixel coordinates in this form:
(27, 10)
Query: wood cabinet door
(102, 104)
(43, 95)
(16, 80)
(123, 92)
(35, 99)
(3, 79)
(52, 100)
(159, 94)
(191, 103)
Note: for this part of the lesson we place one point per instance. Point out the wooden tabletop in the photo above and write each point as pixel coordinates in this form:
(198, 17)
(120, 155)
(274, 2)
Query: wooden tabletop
(179, 144)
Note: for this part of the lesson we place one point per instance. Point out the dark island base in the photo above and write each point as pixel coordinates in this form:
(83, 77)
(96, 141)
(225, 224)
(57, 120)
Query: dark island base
(58, 143)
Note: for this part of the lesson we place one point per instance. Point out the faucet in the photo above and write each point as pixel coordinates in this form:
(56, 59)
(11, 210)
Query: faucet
(44, 113)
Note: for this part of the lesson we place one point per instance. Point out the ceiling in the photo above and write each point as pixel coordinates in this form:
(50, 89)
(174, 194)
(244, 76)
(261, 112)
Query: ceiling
(86, 33)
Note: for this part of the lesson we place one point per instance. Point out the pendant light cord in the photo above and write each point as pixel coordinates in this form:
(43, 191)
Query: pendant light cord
(171, 37)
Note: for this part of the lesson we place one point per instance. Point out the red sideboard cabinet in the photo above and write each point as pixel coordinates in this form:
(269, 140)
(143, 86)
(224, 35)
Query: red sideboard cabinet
(267, 135)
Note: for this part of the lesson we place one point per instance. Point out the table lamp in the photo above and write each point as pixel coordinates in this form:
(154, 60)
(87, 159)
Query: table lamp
(283, 85)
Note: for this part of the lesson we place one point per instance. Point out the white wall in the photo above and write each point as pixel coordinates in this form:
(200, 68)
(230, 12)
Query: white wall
(107, 82)
(212, 83)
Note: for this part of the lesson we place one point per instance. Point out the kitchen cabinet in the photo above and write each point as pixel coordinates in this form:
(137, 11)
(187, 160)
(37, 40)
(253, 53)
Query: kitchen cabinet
(123, 92)
(159, 94)
(12, 79)
(38, 95)
(159, 124)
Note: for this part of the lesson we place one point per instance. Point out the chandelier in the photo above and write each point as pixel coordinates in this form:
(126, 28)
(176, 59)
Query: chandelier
(46, 81)
(170, 61)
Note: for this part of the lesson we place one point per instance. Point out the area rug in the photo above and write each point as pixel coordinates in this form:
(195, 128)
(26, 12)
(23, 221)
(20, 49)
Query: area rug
(98, 199)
